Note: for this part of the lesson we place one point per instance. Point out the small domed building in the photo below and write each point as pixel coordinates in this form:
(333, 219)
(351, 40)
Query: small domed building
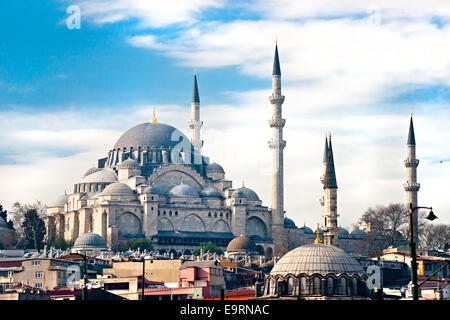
(316, 271)
(90, 244)
(242, 247)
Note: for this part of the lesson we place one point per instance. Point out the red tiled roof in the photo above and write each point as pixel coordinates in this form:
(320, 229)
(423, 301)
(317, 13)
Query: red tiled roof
(16, 263)
(74, 256)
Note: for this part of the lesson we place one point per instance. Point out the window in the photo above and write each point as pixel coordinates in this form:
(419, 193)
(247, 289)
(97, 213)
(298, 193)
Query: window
(38, 285)
(215, 214)
(176, 213)
(221, 214)
(170, 213)
(39, 274)
(36, 263)
(209, 214)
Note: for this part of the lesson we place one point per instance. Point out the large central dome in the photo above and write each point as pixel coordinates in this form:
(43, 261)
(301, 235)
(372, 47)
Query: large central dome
(152, 135)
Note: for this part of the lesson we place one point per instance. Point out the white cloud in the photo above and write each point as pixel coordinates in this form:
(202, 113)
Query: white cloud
(149, 13)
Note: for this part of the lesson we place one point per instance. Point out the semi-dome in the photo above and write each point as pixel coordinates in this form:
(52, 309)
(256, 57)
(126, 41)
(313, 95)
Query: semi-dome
(88, 241)
(288, 223)
(129, 164)
(154, 188)
(241, 244)
(214, 167)
(91, 171)
(183, 190)
(152, 134)
(210, 192)
(317, 258)
(117, 189)
(358, 233)
(244, 192)
(60, 201)
(101, 176)
(307, 230)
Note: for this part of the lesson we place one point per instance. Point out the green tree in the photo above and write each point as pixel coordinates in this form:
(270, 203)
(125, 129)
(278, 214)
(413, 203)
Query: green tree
(135, 243)
(33, 229)
(60, 243)
(4, 215)
(208, 246)
(18, 215)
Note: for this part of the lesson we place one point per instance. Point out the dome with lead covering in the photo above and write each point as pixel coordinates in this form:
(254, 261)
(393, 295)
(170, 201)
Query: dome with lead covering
(244, 192)
(91, 171)
(183, 190)
(60, 201)
(307, 230)
(214, 167)
(317, 258)
(154, 188)
(129, 164)
(100, 176)
(210, 192)
(343, 233)
(117, 188)
(88, 241)
(288, 223)
(152, 134)
(358, 233)
(241, 244)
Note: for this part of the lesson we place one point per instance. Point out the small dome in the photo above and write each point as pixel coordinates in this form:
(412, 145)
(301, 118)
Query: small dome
(210, 192)
(288, 223)
(343, 233)
(358, 233)
(91, 171)
(245, 193)
(100, 176)
(240, 244)
(214, 167)
(117, 188)
(307, 230)
(129, 164)
(183, 190)
(90, 240)
(154, 188)
(317, 258)
(60, 201)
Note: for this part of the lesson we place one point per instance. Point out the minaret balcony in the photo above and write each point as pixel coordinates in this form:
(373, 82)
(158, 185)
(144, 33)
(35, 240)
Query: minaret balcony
(276, 99)
(411, 186)
(411, 163)
(277, 123)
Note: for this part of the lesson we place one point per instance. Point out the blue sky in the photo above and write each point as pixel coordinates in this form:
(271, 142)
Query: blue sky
(348, 67)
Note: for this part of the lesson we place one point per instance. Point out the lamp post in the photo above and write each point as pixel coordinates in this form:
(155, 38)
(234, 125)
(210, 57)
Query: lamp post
(412, 247)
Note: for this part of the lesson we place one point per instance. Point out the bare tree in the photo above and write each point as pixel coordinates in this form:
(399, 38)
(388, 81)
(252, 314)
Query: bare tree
(33, 229)
(434, 236)
(386, 221)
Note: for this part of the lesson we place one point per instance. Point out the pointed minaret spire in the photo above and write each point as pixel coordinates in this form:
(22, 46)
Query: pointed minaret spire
(411, 137)
(276, 63)
(325, 151)
(330, 174)
(276, 145)
(195, 124)
(195, 96)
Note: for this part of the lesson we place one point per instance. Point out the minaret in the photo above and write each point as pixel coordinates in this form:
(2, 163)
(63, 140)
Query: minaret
(324, 163)
(195, 124)
(329, 214)
(411, 186)
(277, 145)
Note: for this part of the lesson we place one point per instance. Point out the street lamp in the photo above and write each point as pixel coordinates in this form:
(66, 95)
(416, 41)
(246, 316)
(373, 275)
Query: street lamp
(412, 246)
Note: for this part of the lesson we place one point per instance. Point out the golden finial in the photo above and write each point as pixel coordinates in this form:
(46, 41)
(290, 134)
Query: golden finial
(154, 118)
(276, 40)
(411, 113)
(330, 136)
(195, 71)
(318, 237)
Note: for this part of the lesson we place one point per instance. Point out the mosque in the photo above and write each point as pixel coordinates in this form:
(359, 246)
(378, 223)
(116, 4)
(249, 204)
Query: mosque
(156, 183)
